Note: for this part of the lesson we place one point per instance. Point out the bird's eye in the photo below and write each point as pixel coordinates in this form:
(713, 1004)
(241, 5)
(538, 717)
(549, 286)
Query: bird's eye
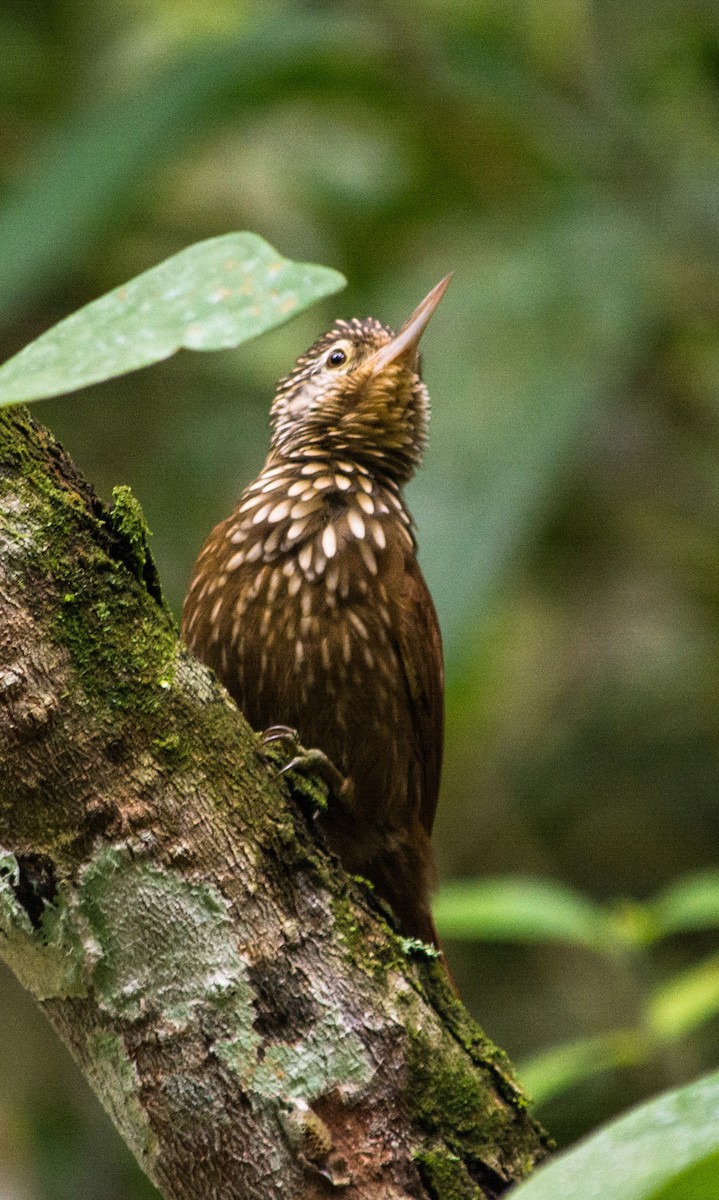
(336, 358)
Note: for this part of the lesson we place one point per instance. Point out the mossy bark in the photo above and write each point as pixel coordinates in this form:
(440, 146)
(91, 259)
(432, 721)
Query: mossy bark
(244, 1011)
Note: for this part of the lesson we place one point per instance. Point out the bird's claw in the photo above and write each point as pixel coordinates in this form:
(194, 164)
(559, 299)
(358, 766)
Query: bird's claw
(316, 762)
(279, 733)
(296, 763)
(306, 764)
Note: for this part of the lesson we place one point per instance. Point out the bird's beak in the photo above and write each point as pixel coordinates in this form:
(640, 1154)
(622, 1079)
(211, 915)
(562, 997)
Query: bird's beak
(405, 344)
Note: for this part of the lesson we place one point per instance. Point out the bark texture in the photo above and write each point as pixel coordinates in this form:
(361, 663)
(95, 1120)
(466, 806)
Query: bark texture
(242, 1008)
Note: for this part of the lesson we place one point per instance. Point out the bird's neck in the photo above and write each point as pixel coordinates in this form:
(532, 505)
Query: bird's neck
(333, 475)
(317, 519)
(333, 502)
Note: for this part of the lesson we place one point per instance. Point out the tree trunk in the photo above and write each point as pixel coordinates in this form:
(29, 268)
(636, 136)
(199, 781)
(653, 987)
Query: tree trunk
(240, 1005)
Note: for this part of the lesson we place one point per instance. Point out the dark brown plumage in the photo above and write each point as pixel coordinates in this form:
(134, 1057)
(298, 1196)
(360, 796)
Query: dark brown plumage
(309, 603)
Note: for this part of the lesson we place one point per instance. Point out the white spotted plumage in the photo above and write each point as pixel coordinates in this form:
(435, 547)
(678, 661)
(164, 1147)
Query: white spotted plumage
(299, 597)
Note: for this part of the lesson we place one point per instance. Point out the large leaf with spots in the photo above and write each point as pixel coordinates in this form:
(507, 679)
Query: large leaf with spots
(211, 296)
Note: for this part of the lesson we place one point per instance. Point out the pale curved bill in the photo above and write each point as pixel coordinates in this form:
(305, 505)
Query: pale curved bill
(408, 337)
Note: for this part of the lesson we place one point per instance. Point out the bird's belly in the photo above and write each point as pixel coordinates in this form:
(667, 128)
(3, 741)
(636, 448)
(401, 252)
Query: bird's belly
(324, 624)
(329, 669)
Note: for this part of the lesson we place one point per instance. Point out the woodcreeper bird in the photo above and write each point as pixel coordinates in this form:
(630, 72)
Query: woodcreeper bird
(309, 603)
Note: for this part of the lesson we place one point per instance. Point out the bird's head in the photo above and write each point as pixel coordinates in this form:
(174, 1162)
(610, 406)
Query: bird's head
(357, 394)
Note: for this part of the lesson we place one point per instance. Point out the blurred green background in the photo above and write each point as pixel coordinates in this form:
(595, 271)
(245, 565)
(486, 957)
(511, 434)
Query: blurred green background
(562, 158)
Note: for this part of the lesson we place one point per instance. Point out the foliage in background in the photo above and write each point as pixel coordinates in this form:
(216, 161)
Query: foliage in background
(220, 293)
(563, 159)
(665, 1150)
(670, 1008)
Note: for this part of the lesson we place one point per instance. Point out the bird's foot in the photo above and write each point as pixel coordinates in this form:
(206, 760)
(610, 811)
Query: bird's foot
(311, 773)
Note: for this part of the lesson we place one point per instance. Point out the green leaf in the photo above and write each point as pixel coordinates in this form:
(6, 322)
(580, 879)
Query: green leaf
(554, 1071)
(211, 296)
(691, 903)
(685, 1002)
(698, 1182)
(635, 1156)
(514, 909)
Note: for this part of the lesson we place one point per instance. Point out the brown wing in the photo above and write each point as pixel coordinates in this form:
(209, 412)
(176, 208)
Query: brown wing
(420, 648)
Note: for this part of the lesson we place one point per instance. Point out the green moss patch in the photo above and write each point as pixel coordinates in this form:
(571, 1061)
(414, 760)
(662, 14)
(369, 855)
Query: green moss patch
(446, 1178)
(128, 522)
(121, 648)
(455, 1105)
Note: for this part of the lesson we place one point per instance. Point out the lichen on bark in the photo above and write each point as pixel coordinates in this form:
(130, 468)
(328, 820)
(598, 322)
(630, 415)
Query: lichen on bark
(244, 1009)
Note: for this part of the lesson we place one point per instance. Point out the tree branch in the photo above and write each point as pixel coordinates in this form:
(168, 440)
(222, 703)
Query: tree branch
(239, 1004)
